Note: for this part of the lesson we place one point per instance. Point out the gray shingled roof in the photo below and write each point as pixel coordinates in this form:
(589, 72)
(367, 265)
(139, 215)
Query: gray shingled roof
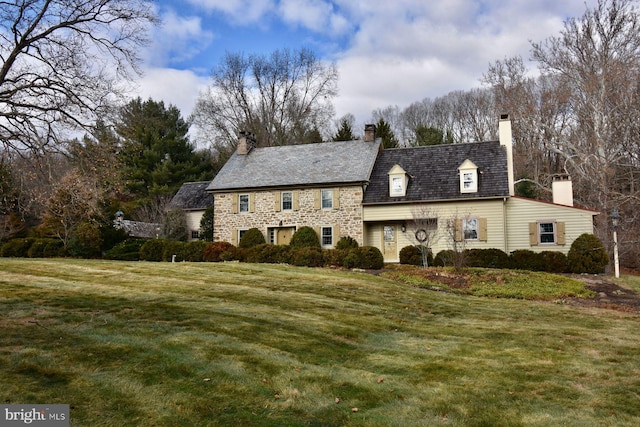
(434, 174)
(192, 196)
(327, 163)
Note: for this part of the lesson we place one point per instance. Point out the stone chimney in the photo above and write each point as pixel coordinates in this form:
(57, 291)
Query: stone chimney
(562, 190)
(506, 140)
(369, 133)
(246, 142)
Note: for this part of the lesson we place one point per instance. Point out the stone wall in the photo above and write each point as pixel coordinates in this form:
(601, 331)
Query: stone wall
(347, 216)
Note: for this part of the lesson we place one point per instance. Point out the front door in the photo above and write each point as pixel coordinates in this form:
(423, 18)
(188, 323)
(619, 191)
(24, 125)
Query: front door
(390, 243)
(283, 236)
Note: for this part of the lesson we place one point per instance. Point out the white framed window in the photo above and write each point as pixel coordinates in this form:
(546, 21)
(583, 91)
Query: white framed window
(243, 203)
(547, 233)
(470, 229)
(326, 236)
(468, 177)
(469, 181)
(287, 200)
(397, 186)
(240, 234)
(195, 234)
(327, 199)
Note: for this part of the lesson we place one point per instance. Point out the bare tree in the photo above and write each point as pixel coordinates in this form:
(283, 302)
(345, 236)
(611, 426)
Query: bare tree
(63, 63)
(280, 98)
(424, 231)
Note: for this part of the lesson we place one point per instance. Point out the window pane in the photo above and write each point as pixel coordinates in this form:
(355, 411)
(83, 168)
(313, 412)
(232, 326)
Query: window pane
(396, 185)
(287, 201)
(327, 236)
(327, 199)
(389, 233)
(470, 229)
(244, 203)
(547, 234)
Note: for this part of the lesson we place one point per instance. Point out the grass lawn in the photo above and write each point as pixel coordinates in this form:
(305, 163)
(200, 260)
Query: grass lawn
(201, 344)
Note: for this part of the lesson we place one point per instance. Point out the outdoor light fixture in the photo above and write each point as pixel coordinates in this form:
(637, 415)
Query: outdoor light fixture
(615, 221)
(403, 228)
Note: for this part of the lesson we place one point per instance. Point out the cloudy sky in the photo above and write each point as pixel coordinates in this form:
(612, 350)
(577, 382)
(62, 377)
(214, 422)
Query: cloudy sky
(388, 52)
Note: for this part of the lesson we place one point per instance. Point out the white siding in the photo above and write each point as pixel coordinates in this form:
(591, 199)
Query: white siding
(193, 221)
(521, 212)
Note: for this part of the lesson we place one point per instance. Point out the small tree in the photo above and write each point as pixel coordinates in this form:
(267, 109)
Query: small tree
(305, 237)
(457, 239)
(587, 255)
(175, 226)
(424, 231)
(206, 225)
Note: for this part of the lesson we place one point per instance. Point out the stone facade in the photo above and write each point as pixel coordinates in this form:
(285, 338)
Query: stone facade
(265, 213)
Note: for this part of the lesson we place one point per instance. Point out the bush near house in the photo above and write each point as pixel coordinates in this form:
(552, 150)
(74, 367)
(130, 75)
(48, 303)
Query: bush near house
(587, 255)
(270, 254)
(307, 257)
(152, 250)
(305, 237)
(252, 237)
(489, 258)
(214, 250)
(410, 255)
(194, 251)
(555, 262)
(127, 250)
(347, 242)
(444, 258)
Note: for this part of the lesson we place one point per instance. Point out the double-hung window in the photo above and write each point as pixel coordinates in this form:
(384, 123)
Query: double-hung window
(327, 236)
(470, 228)
(287, 201)
(547, 232)
(327, 199)
(243, 203)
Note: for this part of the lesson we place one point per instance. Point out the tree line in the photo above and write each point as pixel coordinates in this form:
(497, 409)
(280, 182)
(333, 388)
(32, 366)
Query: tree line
(576, 113)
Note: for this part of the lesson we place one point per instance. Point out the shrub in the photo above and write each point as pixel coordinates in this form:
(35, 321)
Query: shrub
(152, 250)
(334, 257)
(128, 250)
(487, 258)
(171, 248)
(234, 254)
(554, 262)
(587, 255)
(444, 258)
(37, 249)
(17, 248)
(86, 241)
(305, 237)
(111, 236)
(269, 254)
(347, 242)
(55, 248)
(194, 251)
(351, 259)
(213, 251)
(252, 237)
(410, 255)
(524, 259)
(370, 258)
(307, 257)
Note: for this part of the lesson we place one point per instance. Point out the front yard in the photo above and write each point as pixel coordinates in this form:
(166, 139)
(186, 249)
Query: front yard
(162, 344)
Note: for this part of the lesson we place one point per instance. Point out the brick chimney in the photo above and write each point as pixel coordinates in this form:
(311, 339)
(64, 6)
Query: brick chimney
(369, 133)
(246, 142)
(506, 140)
(562, 190)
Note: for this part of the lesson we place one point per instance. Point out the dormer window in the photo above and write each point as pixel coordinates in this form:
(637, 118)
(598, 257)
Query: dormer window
(398, 180)
(468, 177)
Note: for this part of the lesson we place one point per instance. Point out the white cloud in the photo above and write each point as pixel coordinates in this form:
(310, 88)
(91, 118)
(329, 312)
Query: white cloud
(240, 11)
(177, 87)
(316, 15)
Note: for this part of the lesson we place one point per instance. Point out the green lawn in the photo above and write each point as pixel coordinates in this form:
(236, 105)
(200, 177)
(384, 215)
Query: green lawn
(199, 344)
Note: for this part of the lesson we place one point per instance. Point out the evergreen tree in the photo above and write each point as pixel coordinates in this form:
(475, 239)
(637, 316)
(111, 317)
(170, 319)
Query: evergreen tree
(345, 129)
(428, 135)
(156, 151)
(206, 225)
(383, 130)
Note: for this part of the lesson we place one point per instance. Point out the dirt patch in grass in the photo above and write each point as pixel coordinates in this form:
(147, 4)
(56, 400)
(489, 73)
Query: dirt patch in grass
(608, 294)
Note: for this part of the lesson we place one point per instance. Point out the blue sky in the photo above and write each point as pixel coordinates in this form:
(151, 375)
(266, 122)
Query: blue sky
(388, 52)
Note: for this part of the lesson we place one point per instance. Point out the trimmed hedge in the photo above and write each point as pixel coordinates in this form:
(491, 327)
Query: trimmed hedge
(305, 237)
(214, 250)
(410, 255)
(127, 250)
(152, 250)
(252, 237)
(17, 248)
(347, 242)
(270, 254)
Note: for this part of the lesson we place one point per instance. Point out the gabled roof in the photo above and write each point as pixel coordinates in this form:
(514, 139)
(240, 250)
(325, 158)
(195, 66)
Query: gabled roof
(434, 175)
(323, 164)
(192, 196)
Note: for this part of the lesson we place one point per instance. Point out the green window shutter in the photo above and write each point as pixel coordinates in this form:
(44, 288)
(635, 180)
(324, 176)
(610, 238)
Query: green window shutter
(252, 202)
(234, 203)
(234, 237)
(336, 198)
(316, 199)
(277, 204)
(482, 232)
(533, 234)
(560, 233)
(296, 203)
(458, 230)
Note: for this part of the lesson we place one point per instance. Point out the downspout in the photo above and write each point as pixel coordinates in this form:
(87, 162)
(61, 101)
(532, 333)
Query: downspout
(505, 228)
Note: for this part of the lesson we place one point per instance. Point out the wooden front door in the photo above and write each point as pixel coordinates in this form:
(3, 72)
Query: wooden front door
(390, 243)
(283, 236)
